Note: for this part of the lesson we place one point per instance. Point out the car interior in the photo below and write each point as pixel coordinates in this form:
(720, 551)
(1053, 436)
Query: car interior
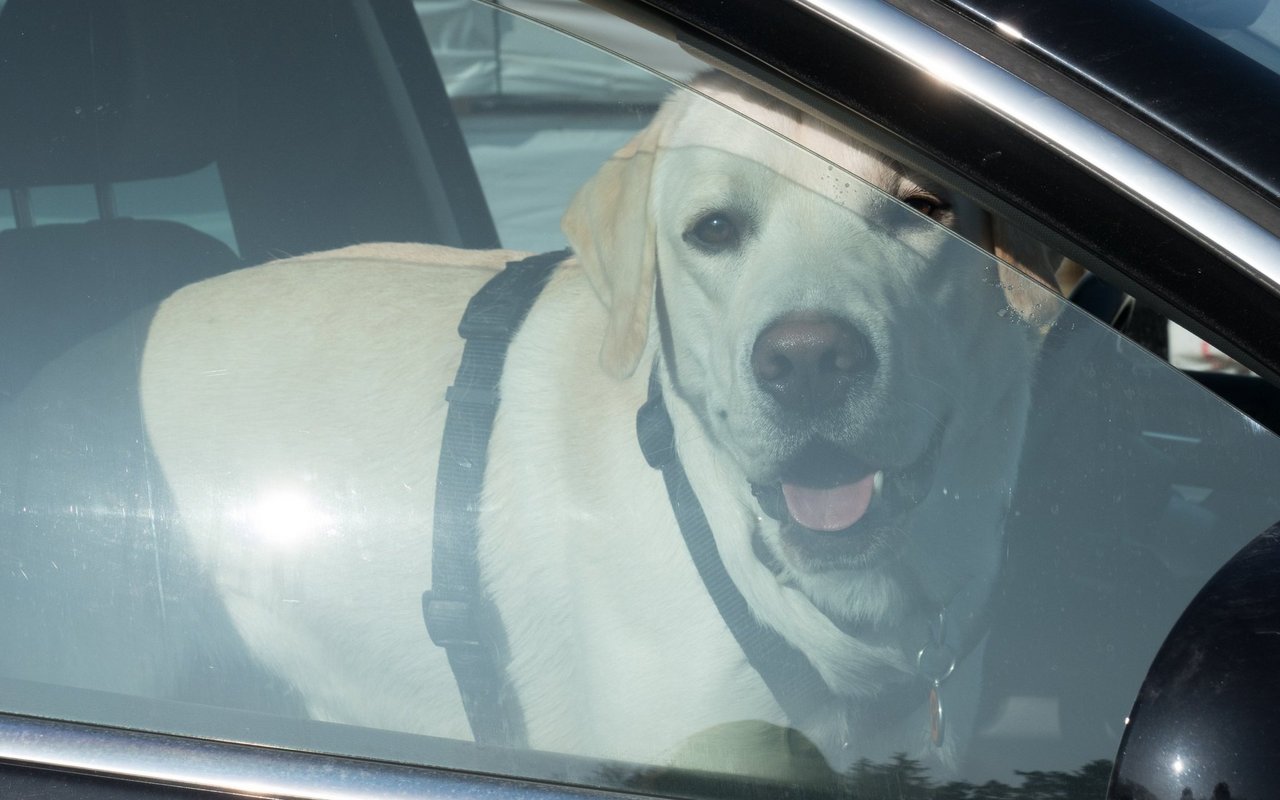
(100, 95)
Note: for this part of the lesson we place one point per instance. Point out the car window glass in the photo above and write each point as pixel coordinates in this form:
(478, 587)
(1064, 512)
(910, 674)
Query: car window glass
(537, 130)
(1250, 26)
(963, 511)
(63, 203)
(487, 55)
(195, 199)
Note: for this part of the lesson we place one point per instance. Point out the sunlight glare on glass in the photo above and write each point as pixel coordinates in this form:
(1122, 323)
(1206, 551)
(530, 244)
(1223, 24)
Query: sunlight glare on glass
(1179, 766)
(284, 517)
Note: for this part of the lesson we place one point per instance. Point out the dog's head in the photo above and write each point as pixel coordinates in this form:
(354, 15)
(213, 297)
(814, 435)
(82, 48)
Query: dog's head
(866, 370)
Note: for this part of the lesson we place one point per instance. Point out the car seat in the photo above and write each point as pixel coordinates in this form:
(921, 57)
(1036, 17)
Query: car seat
(90, 96)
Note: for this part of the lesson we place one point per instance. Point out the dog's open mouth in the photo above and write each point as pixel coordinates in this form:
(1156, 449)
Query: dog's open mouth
(836, 509)
(832, 509)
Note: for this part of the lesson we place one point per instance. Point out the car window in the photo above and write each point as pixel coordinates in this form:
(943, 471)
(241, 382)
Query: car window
(536, 129)
(1251, 27)
(793, 482)
(195, 200)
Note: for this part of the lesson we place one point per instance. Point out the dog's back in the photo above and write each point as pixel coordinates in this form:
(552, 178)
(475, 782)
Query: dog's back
(319, 408)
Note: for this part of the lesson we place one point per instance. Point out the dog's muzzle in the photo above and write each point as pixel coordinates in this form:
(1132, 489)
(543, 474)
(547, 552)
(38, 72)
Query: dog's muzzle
(826, 492)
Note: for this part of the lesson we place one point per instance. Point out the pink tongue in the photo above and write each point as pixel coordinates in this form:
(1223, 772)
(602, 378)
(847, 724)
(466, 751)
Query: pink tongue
(831, 509)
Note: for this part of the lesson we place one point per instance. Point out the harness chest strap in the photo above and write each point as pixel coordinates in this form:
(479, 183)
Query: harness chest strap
(454, 610)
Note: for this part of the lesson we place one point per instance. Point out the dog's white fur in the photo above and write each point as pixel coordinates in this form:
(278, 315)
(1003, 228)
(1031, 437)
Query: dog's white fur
(297, 409)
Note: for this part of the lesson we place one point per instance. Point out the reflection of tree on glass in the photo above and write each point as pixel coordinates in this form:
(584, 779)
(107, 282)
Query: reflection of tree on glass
(902, 778)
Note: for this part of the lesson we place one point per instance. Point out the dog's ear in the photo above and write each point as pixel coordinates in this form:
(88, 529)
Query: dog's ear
(610, 227)
(1029, 259)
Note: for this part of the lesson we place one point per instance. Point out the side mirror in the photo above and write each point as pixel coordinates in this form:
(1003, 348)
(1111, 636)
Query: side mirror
(1207, 719)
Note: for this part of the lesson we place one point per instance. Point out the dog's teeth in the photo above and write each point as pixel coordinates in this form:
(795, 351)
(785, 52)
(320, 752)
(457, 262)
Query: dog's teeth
(878, 481)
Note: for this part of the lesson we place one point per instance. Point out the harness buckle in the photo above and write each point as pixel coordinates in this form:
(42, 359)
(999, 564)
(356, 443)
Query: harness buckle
(449, 622)
(471, 396)
(655, 433)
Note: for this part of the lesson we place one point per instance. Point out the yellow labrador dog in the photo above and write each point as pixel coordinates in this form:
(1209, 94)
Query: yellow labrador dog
(847, 383)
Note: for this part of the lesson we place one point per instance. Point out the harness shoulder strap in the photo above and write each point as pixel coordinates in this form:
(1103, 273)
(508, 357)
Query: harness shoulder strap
(792, 679)
(454, 608)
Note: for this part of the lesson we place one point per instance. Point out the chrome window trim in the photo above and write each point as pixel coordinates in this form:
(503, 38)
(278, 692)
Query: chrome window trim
(1251, 247)
(238, 768)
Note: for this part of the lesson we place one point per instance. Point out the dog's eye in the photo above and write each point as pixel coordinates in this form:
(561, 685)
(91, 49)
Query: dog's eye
(714, 231)
(926, 203)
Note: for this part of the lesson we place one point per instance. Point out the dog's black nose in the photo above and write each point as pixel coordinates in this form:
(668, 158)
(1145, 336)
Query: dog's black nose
(809, 362)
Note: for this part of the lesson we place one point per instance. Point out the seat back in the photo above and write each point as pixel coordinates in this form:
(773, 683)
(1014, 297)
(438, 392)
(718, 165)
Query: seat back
(95, 93)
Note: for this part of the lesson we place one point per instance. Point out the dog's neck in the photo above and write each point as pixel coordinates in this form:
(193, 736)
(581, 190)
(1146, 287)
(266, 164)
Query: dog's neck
(930, 640)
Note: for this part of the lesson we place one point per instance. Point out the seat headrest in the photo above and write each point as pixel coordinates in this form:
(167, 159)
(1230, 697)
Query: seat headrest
(102, 91)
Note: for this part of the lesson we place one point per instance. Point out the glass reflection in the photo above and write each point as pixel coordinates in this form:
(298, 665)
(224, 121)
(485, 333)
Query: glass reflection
(1009, 31)
(1060, 550)
(283, 517)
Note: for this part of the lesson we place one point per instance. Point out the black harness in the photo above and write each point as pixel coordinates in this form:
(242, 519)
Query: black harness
(790, 676)
(460, 620)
